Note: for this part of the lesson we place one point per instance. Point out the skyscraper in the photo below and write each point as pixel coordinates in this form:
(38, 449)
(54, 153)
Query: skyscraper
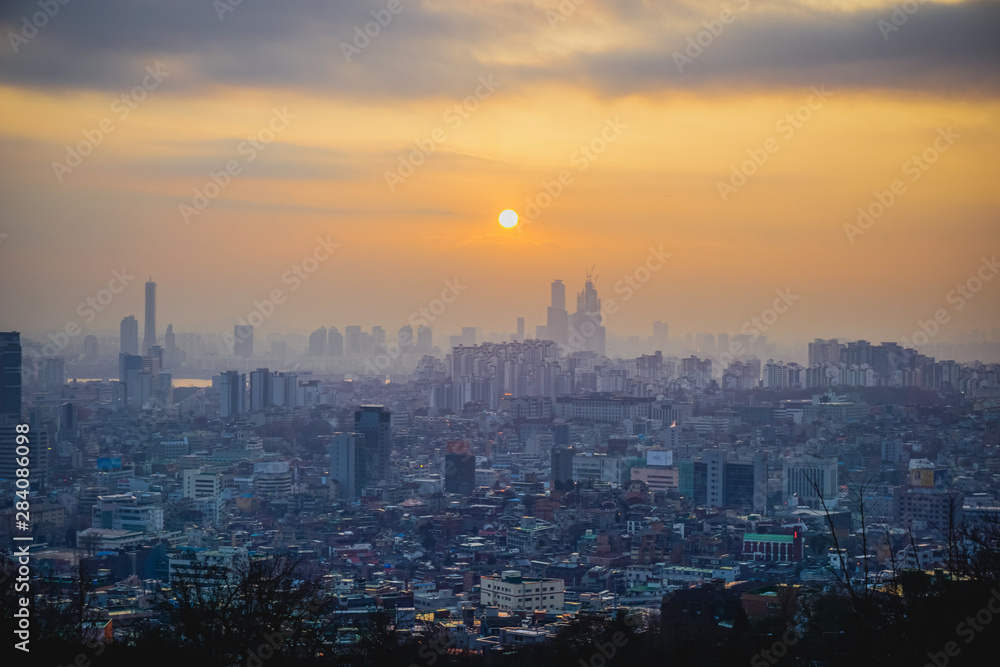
(562, 468)
(10, 373)
(520, 329)
(260, 389)
(373, 422)
(557, 320)
(347, 463)
(149, 333)
(10, 402)
(243, 340)
(587, 331)
(459, 468)
(425, 339)
(232, 393)
(336, 343)
(170, 340)
(317, 343)
(129, 374)
(129, 335)
(352, 340)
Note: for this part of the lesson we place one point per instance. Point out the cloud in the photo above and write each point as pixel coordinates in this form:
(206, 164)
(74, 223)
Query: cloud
(435, 48)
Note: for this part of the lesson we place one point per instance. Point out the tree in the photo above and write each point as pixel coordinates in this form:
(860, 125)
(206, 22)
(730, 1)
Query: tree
(226, 612)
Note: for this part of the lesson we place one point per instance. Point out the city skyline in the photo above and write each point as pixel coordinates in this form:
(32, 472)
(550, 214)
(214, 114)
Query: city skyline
(823, 171)
(934, 330)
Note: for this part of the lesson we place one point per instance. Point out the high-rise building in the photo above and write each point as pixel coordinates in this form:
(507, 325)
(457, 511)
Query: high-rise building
(169, 340)
(129, 370)
(710, 480)
(243, 340)
(557, 318)
(261, 392)
(352, 340)
(173, 356)
(10, 402)
(459, 468)
(90, 347)
(149, 333)
(10, 368)
(468, 336)
(562, 468)
(373, 422)
(129, 335)
(811, 481)
(824, 352)
(317, 343)
(587, 331)
(335, 342)
(425, 339)
(405, 338)
(232, 393)
(285, 390)
(347, 463)
(378, 338)
(520, 329)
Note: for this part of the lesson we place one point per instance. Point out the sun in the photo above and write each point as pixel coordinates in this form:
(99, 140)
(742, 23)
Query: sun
(508, 218)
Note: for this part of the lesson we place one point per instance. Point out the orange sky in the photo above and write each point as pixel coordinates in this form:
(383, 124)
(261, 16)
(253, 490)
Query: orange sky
(556, 89)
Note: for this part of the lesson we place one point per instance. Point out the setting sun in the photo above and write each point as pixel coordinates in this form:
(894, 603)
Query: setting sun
(508, 218)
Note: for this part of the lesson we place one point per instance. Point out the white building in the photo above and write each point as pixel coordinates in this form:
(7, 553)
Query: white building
(198, 483)
(125, 512)
(510, 590)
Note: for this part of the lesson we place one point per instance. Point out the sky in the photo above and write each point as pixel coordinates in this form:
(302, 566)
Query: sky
(351, 159)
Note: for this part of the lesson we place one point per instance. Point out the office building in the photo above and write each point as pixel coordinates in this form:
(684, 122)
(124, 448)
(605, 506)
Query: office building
(10, 401)
(587, 333)
(126, 511)
(562, 468)
(10, 368)
(459, 468)
(200, 484)
(347, 464)
(557, 318)
(130, 367)
(129, 336)
(711, 480)
(810, 481)
(373, 422)
(509, 590)
(149, 332)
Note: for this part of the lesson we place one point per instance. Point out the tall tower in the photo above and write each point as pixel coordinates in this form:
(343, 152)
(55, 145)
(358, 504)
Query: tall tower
(10, 374)
(557, 322)
(129, 335)
(149, 333)
(373, 422)
(587, 331)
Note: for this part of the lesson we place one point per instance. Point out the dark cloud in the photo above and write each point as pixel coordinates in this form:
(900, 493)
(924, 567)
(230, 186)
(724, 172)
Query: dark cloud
(433, 49)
